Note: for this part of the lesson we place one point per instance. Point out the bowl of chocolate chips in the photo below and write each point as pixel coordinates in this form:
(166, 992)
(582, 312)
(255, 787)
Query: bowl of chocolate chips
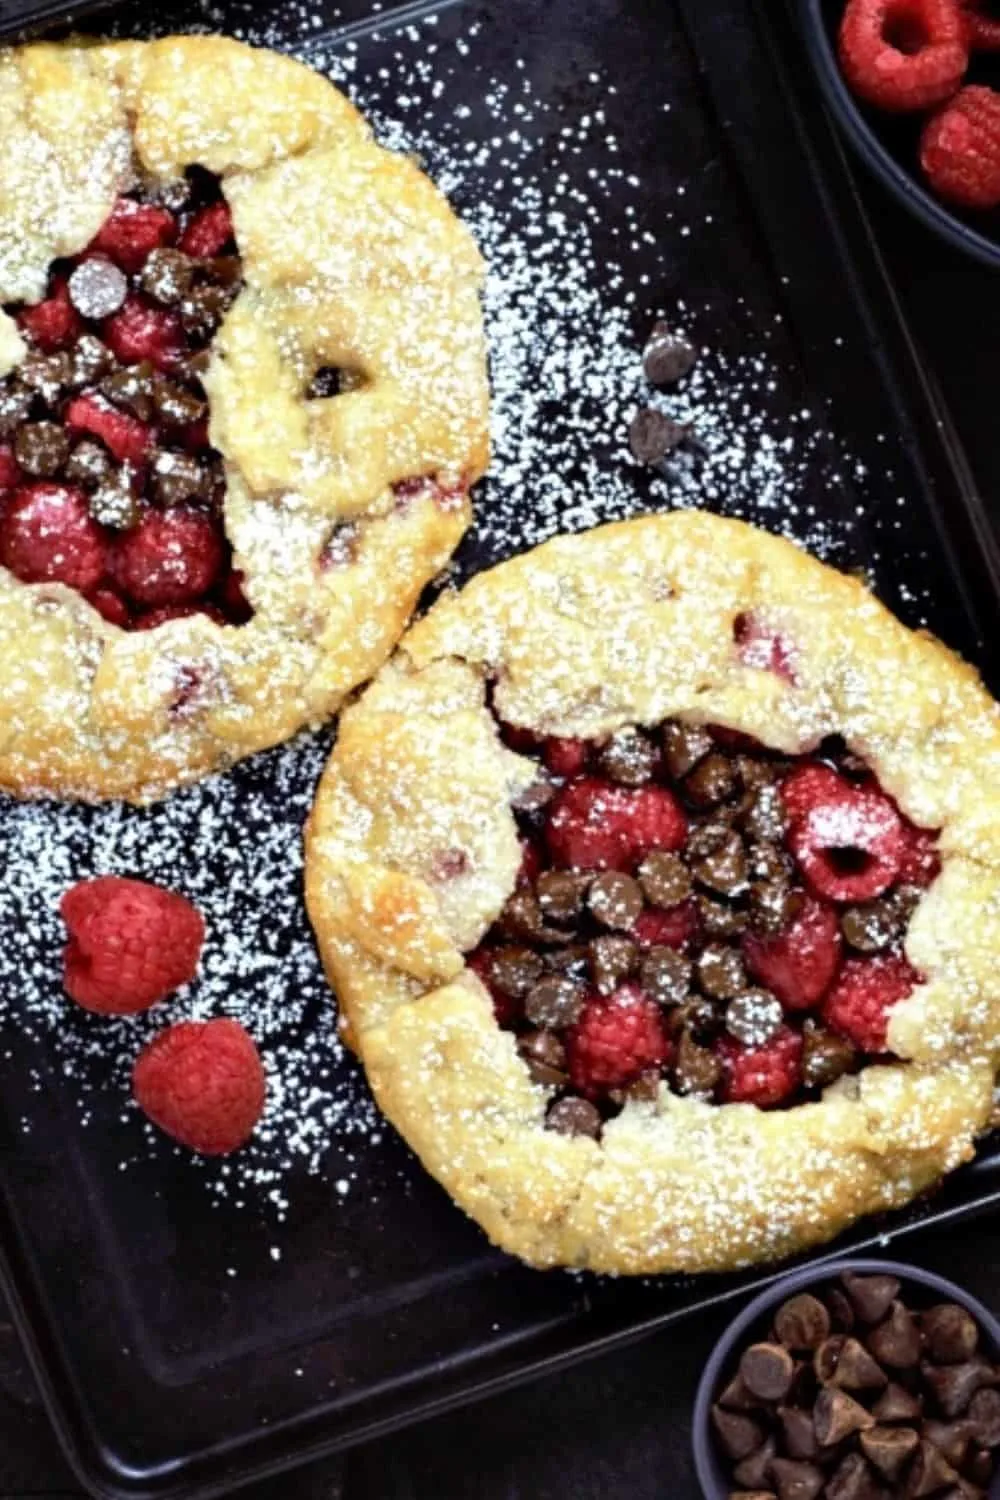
(865, 1380)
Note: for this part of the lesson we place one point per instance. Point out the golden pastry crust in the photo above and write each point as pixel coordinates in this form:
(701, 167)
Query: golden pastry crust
(412, 852)
(351, 258)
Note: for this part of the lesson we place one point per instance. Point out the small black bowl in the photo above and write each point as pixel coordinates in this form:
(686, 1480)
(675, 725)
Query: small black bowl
(756, 1317)
(819, 20)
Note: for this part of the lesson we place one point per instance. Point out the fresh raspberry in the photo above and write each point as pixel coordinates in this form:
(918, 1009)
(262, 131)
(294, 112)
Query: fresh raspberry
(903, 54)
(10, 470)
(132, 232)
(798, 964)
(167, 612)
(982, 31)
(110, 605)
(48, 535)
(615, 1040)
(128, 439)
(209, 232)
(130, 944)
(505, 1007)
(138, 331)
(203, 1083)
(531, 862)
(810, 785)
(595, 825)
(565, 757)
(850, 846)
(171, 557)
(921, 861)
(672, 927)
(764, 1075)
(960, 149)
(866, 990)
(53, 324)
(760, 645)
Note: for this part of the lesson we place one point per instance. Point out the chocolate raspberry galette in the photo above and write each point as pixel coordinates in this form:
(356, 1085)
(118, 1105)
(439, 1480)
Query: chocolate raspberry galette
(658, 876)
(242, 399)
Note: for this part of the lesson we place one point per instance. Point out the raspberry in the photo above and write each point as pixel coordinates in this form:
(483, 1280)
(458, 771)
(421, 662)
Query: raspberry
(849, 846)
(960, 149)
(10, 470)
(809, 786)
(53, 324)
(799, 964)
(982, 31)
(615, 1040)
(595, 825)
(127, 438)
(132, 232)
(523, 741)
(48, 535)
(130, 944)
(760, 645)
(903, 54)
(110, 605)
(764, 1075)
(195, 436)
(138, 331)
(505, 1007)
(866, 990)
(565, 757)
(167, 612)
(673, 927)
(209, 231)
(531, 862)
(203, 1083)
(921, 862)
(171, 557)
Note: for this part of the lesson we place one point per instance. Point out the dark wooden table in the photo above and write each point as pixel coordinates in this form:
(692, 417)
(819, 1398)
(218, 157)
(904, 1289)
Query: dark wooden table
(619, 1427)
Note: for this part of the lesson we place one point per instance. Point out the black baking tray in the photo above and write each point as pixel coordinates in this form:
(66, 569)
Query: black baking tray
(173, 1359)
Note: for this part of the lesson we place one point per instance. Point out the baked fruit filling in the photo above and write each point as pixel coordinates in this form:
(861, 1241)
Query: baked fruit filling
(696, 909)
(108, 482)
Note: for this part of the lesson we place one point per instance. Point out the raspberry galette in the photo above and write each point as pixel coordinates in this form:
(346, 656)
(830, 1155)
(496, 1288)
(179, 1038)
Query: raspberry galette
(658, 877)
(242, 399)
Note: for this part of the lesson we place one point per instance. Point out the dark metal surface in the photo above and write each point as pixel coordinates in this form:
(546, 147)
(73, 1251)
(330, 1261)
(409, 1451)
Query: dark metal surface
(621, 1427)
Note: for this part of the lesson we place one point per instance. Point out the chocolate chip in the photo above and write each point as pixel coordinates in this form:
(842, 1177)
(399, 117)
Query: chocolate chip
(871, 1296)
(203, 309)
(889, 1449)
(15, 404)
(798, 1432)
(869, 929)
(738, 1435)
(842, 1361)
(841, 1312)
(984, 1414)
(735, 1396)
(768, 862)
(665, 975)
(652, 435)
(193, 365)
(612, 959)
(852, 1480)
(514, 971)
(615, 900)
(573, 961)
(752, 1495)
(545, 1057)
(897, 1404)
(132, 388)
(755, 1471)
(574, 1116)
(764, 817)
(979, 1465)
(773, 906)
(767, 1371)
(836, 1415)
(41, 448)
(802, 1323)
(628, 757)
(97, 288)
(825, 1056)
(953, 1386)
(725, 869)
(668, 355)
(554, 1001)
(753, 1017)
(697, 1016)
(684, 745)
(89, 463)
(930, 1471)
(796, 1479)
(522, 918)
(178, 478)
(50, 375)
(561, 895)
(176, 406)
(711, 782)
(720, 971)
(718, 919)
(950, 1333)
(952, 1438)
(167, 276)
(664, 878)
(896, 1342)
(697, 1070)
(90, 360)
(642, 1090)
(227, 270)
(114, 502)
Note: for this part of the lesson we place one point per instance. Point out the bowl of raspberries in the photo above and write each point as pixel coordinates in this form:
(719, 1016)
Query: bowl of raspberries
(915, 85)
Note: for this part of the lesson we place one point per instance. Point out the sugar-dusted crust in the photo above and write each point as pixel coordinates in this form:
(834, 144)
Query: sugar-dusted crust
(351, 258)
(412, 852)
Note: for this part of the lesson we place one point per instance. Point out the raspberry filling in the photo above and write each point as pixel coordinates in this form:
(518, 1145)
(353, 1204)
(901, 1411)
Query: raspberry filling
(696, 909)
(108, 482)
